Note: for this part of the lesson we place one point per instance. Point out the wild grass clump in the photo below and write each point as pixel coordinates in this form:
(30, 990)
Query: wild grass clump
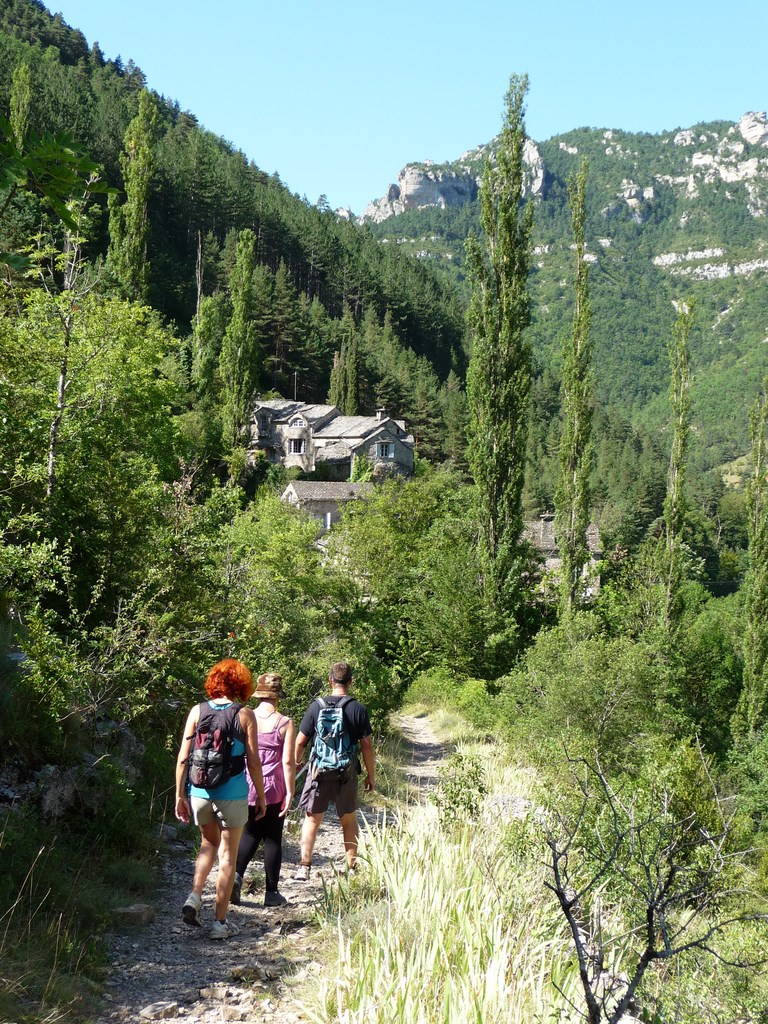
(56, 896)
(448, 924)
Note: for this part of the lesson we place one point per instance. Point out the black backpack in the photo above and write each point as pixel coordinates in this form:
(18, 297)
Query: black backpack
(211, 761)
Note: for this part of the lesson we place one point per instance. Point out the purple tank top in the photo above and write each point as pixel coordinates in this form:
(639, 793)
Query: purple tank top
(271, 757)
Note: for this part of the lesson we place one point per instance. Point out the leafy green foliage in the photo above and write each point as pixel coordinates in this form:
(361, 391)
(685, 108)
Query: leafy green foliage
(752, 711)
(499, 374)
(461, 790)
(50, 166)
(572, 501)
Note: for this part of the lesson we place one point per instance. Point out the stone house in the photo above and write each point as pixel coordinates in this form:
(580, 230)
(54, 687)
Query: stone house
(308, 437)
(323, 499)
(541, 534)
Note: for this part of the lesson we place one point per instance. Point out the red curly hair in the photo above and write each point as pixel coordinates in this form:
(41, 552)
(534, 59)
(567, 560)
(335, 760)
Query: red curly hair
(230, 678)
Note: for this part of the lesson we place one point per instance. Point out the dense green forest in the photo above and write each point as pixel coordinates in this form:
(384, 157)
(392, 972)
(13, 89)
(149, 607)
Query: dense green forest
(154, 280)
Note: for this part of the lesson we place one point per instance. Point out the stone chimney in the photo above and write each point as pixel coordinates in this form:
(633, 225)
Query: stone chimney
(381, 415)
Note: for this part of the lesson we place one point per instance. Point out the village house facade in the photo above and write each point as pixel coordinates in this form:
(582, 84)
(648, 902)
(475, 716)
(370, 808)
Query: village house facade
(324, 499)
(307, 437)
(541, 533)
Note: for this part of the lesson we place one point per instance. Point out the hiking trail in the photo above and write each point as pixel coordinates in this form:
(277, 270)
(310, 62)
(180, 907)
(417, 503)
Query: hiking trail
(167, 970)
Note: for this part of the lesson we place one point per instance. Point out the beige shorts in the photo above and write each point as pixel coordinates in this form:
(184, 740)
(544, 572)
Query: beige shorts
(228, 813)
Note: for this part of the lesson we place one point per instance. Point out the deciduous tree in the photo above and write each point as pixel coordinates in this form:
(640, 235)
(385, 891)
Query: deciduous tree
(675, 501)
(128, 222)
(240, 361)
(752, 704)
(572, 498)
(499, 376)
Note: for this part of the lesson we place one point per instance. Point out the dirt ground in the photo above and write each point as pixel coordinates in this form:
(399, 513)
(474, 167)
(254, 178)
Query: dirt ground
(168, 970)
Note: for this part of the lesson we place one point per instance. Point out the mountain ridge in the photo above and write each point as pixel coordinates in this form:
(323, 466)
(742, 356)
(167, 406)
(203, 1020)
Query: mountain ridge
(456, 181)
(676, 215)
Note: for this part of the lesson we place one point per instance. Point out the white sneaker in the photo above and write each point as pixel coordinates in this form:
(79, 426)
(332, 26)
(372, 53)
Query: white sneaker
(223, 929)
(341, 867)
(302, 873)
(191, 909)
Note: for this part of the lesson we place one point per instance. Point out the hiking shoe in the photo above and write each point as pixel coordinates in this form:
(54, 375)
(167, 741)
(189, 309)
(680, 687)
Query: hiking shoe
(236, 890)
(223, 929)
(191, 909)
(341, 867)
(274, 899)
(302, 873)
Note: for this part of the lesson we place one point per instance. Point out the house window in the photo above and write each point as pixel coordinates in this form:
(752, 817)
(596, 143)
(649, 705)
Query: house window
(298, 422)
(385, 450)
(296, 446)
(263, 424)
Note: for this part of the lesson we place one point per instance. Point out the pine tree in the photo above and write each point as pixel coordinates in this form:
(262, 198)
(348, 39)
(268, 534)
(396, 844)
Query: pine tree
(316, 354)
(499, 375)
(572, 498)
(453, 402)
(128, 223)
(284, 329)
(752, 703)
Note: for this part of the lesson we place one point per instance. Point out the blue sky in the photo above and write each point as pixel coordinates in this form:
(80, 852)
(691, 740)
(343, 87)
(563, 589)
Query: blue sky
(337, 96)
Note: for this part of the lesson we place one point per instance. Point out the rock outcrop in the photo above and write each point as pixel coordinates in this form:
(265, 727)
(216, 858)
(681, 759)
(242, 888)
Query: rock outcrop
(429, 184)
(754, 128)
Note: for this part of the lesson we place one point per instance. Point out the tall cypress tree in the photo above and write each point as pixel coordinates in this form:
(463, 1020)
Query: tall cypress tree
(675, 500)
(499, 375)
(128, 223)
(752, 703)
(21, 98)
(572, 498)
(240, 362)
(345, 376)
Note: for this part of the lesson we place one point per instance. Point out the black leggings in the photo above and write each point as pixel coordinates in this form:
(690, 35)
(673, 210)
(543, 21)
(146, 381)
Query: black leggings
(270, 829)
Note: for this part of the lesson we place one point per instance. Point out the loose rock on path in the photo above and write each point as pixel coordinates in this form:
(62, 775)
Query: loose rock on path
(165, 969)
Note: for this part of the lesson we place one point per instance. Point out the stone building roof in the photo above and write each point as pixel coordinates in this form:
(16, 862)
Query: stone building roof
(324, 490)
(284, 409)
(350, 426)
(336, 452)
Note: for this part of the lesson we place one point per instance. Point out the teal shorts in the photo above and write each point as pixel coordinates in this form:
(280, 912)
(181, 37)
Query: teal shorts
(228, 813)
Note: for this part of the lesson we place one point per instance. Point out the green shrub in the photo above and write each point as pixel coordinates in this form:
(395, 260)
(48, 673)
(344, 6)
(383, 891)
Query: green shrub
(461, 790)
(581, 690)
(434, 688)
(475, 699)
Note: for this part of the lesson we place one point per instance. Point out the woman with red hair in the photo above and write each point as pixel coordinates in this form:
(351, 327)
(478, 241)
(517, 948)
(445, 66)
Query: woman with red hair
(221, 811)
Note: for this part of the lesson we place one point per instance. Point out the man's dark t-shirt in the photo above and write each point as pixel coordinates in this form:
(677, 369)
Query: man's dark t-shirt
(355, 717)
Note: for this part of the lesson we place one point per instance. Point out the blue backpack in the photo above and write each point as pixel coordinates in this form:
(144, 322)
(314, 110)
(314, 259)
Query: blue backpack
(333, 752)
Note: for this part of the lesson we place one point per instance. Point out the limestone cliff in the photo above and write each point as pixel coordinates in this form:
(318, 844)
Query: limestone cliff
(430, 184)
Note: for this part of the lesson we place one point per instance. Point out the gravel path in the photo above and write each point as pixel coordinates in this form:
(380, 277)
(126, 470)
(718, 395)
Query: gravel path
(166, 970)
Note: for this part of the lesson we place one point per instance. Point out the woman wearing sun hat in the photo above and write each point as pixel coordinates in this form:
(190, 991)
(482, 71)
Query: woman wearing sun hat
(277, 735)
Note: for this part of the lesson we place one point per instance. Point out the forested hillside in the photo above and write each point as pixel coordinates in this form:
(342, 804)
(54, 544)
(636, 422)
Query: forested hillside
(201, 193)
(673, 216)
(153, 281)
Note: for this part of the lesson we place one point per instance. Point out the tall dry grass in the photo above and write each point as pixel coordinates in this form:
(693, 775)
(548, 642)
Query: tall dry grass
(448, 921)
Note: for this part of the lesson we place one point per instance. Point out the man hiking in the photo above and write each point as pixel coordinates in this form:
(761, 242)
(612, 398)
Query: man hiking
(337, 727)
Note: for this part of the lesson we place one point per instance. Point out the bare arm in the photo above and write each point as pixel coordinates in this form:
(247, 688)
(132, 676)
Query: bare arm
(185, 748)
(289, 766)
(366, 749)
(301, 742)
(251, 734)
